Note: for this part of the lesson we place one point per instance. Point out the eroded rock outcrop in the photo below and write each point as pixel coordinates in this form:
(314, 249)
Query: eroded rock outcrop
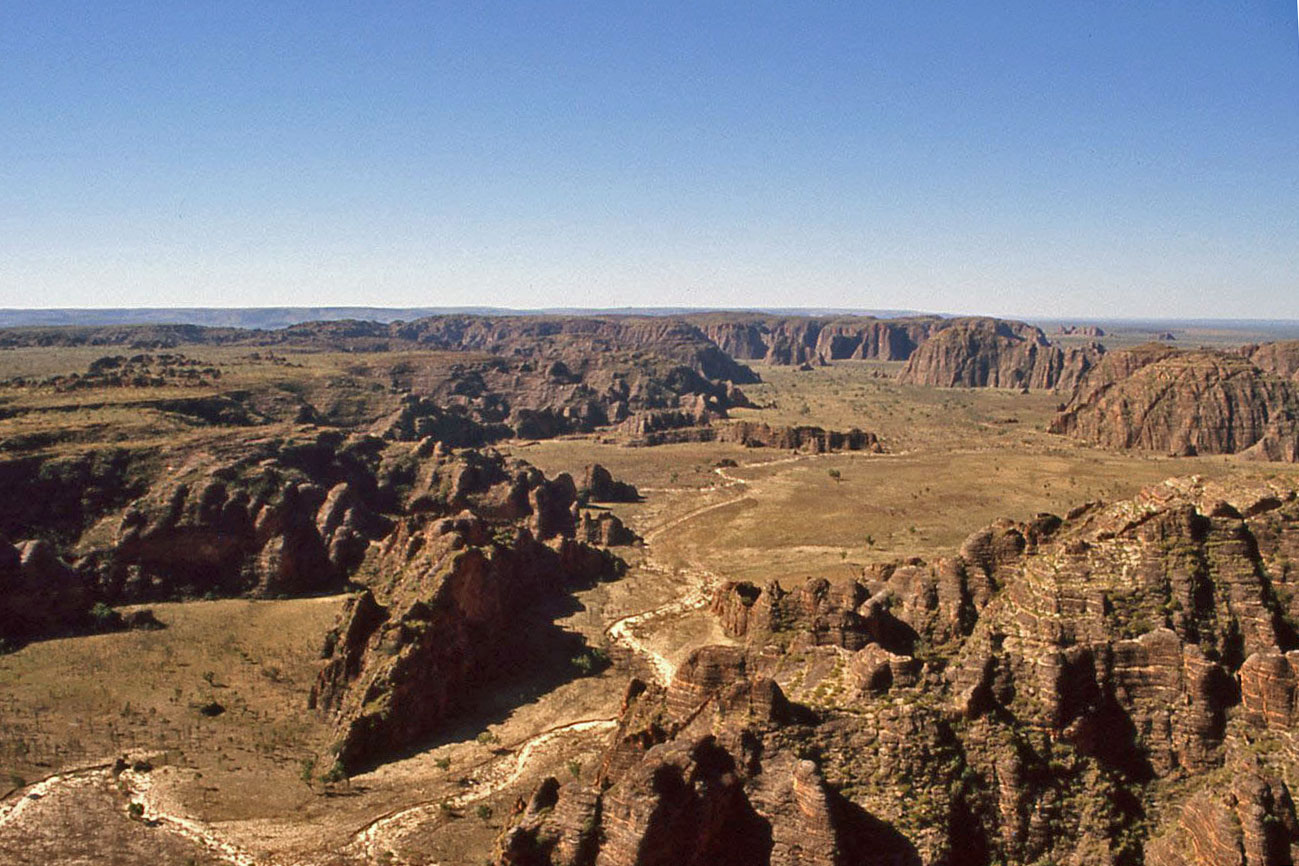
(1185, 403)
(284, 518)
(1070, 688)
(706, 771)
(39, 593)
(598, 485)
(665, 428)
(990, 353)
(1280, 359)
(425, 635)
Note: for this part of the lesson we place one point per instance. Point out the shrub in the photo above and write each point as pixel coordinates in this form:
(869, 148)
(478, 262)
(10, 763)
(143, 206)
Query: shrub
(104, 617)
(590, 661)
(337, 773)
(135, 811)
(483, 811)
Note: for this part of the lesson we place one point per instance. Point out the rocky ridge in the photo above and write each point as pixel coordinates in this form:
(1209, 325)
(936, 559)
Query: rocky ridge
(1187, 403)
(803, 339)
(423, 637)
(649, 429)
(990, 353)
(1061, 689)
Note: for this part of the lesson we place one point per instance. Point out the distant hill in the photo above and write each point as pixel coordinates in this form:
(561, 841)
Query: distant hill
(268, 318)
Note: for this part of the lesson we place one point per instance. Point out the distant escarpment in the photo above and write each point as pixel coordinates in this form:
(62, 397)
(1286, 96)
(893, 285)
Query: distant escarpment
(801, 339)
(576, 337)
(1188, 402)
(487, 400)
(949, 353)
(1116, 686)
(467, 380)
(425, 635)
(535, 337)
(990, 353)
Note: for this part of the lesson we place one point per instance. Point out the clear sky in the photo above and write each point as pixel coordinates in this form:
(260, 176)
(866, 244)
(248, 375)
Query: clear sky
(1080, 158)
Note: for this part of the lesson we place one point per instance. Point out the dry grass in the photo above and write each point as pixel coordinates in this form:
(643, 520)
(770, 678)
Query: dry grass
(959, 459)
(80, 700)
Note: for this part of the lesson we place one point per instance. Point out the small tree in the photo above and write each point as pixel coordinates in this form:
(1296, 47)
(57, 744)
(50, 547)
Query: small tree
(308, 769)
(104, 617)
(336, 774)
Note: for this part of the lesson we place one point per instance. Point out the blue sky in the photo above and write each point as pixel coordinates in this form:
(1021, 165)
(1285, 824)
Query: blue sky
(1019, 158)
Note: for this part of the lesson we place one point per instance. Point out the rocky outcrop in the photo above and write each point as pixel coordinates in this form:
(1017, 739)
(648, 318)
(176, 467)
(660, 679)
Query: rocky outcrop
(1267, 689)
(416, 646)
(1247, 821)
(65, 495)
(663, 429)
(706, 771)
(39, 593)
(798, 340)
(989, 353)
(1184, 403)
(603, 528)
(1093, 331)
(1069, 689)
(568, 337)
(813, 440)
(284, 518)
(818, 613)
(598, 485)
(1280, 359)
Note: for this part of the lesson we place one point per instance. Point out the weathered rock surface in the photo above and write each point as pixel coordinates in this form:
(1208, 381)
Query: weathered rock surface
(990, 353)
(707, 771)
(416, 646)
(605, 529)
(1080, 331)
(1185, 403)
(282, 518)
(598, 485)
(1072, 690)
(39, 593)
(800, 339)
(1280, 359)
(664, 428)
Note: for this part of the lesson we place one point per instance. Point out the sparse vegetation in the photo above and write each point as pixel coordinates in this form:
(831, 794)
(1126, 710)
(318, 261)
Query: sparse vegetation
(66, 703)
(592, 660)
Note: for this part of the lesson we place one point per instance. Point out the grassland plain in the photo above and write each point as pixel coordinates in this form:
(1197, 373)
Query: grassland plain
(250, 774)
